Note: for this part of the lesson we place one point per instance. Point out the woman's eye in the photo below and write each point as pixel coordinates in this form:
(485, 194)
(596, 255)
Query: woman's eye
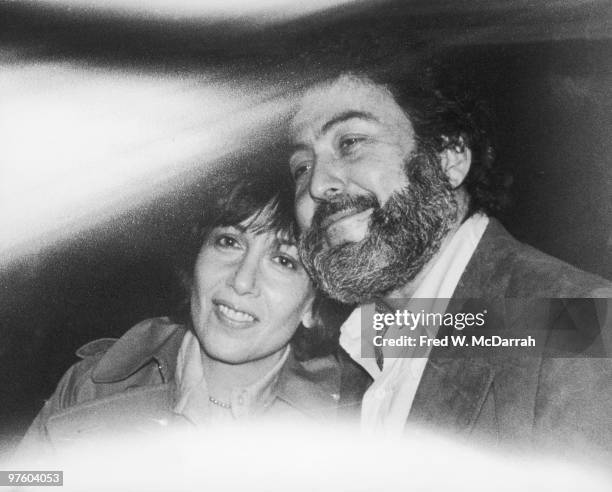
(286, 262)
(225, 241)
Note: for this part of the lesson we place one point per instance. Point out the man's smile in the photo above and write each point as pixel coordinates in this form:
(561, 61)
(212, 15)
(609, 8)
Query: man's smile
(348, 225)
(340, 215)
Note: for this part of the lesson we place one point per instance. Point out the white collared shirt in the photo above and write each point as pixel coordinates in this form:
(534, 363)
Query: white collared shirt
(387, 402)
(192, 391)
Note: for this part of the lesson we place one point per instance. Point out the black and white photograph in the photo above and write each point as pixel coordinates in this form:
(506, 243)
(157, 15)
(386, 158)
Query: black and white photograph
(272, 245)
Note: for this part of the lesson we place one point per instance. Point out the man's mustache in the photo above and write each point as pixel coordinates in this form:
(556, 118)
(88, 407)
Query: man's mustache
(356, 203)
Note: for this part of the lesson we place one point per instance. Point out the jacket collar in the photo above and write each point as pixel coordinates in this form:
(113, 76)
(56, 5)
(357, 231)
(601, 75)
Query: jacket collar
(156, 339)
(451, 392)
(487, 274)
(312, 386)
(453, 387)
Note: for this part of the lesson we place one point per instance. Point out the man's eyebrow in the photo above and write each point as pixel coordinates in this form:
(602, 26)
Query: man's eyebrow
(335, 120)
(347, 115)
(297, 147)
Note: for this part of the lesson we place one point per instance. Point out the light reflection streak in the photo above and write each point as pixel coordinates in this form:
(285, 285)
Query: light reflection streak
(81, 144)
(256, 13)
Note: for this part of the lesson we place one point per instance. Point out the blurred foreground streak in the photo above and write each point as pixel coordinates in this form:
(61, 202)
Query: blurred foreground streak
(281, 458)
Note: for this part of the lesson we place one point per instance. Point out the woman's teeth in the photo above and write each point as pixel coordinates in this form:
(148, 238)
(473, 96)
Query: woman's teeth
(234, 315)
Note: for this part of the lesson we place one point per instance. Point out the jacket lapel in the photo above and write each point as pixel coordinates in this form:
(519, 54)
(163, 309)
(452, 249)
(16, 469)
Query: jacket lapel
(454, 386)
(155, 339)
(312, 386)
(451, 392)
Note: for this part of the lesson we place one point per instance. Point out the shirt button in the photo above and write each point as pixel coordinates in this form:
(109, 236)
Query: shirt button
(335, 396)
(241, 400)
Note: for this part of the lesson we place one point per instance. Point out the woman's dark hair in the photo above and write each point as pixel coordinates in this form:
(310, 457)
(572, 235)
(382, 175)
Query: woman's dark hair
(265, 201)
(264, 198)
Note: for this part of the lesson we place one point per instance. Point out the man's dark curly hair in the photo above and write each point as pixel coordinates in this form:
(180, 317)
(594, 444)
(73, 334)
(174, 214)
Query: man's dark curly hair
(447, 111)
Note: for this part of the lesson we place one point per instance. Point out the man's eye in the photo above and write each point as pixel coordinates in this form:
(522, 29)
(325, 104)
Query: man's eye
(286, 262)
(348, 143)
(300, 170)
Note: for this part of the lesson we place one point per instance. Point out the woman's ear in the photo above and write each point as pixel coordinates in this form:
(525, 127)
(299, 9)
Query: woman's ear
(309, 319)
(456, 162)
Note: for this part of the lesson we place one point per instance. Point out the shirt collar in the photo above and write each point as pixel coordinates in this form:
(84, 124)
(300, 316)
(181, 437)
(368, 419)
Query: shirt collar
(439, 284)
(192, 392)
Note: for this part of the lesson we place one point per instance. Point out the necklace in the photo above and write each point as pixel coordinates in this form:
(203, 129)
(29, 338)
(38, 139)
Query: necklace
(221, 404)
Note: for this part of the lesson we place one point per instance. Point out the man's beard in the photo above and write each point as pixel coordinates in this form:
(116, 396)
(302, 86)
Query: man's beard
(403, 236)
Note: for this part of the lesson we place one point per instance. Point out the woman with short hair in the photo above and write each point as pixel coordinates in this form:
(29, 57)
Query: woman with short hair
(231, 360)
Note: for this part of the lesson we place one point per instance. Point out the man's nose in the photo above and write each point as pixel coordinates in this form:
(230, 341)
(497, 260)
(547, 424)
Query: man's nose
(245, 276)
(327, 179)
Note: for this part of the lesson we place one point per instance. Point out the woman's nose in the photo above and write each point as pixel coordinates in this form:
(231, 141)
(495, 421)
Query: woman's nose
(244, 279)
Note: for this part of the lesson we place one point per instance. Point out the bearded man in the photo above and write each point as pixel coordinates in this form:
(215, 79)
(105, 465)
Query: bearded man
(395, 192)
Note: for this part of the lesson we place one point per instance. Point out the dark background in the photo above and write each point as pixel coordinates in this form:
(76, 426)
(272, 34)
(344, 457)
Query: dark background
(547, 69)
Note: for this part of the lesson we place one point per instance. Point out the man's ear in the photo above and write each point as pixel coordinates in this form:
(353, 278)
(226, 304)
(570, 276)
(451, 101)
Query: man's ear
(456, 162)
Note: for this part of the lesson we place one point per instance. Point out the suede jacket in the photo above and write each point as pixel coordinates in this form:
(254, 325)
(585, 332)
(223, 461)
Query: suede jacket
(127, 386)
(558, 398)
